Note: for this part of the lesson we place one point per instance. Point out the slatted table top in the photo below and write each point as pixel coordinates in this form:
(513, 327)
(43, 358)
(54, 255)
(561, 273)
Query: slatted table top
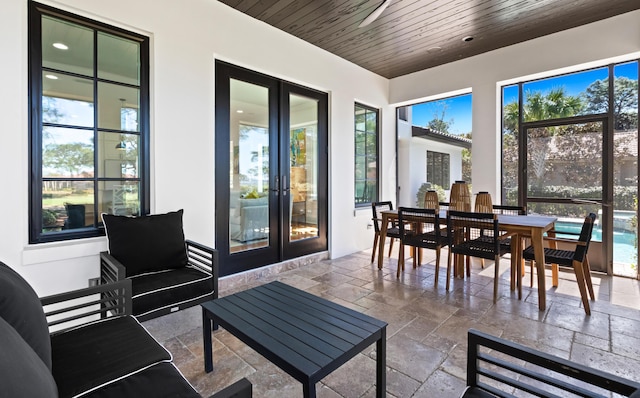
(305, 335)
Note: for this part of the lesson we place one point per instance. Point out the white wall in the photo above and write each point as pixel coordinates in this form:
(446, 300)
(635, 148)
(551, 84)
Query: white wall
(574, 49)
(185, 41)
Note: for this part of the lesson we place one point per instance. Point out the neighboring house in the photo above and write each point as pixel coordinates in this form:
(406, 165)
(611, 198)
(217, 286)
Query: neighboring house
(427, 156)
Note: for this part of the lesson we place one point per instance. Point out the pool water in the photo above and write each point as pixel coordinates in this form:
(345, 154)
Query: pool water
(623, 241)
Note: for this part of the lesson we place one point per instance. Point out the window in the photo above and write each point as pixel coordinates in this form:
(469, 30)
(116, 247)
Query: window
(366, 163)
(438, 168)
(89, 124)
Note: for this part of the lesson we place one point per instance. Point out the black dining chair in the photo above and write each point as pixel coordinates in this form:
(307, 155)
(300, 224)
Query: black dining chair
(476, 235)
(393, 231)
(575, 259)
(420, 228)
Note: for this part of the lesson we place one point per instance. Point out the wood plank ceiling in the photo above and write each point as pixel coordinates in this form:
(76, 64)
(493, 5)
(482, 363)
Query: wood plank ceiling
(411, 35)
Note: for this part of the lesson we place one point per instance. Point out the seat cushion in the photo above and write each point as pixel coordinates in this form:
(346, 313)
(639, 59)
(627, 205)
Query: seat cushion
(23, 372)
(20, 307)
(98, 353)
(147, 243)
(162, 380)
(169, 288)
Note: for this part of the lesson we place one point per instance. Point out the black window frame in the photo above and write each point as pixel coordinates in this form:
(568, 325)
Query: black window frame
(368, 157)
(36, 13)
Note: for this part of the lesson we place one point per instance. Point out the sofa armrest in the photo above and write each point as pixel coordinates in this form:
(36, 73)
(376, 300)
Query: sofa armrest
(87, 304)
(111, 270)
(502, 366)
(205, 258)
(240, 389)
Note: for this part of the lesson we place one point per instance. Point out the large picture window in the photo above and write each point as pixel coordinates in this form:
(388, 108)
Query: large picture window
(89, 124)
(366, 156)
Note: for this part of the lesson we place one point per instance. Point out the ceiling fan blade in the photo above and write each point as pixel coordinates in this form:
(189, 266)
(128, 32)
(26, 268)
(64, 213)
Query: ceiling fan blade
(375, 14)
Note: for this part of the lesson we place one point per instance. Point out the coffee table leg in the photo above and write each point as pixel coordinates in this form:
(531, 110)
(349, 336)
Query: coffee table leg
(206, 338)
(309, 390)
(381, 364)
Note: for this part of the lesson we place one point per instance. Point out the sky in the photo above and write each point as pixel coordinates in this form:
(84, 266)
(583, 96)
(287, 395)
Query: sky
(458, 109)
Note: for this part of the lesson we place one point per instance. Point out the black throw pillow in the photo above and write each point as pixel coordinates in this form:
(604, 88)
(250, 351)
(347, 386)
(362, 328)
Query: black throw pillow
(20, 307)
(23, 372)
(147, 243)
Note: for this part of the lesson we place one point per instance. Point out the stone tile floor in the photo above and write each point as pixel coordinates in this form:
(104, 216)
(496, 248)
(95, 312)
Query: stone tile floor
(426, 336)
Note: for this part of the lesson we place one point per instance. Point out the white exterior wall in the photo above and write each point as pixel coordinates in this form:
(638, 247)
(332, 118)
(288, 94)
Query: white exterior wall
(616, 38)
(185, 41)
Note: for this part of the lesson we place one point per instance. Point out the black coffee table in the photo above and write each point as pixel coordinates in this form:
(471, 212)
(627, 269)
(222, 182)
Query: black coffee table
(305, 335)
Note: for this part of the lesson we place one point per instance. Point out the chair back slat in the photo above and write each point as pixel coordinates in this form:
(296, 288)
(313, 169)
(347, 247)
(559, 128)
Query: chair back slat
(585, 236)
(510, 210)
(377, 208)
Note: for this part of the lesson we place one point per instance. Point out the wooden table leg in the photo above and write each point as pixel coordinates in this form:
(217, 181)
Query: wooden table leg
(536, 241)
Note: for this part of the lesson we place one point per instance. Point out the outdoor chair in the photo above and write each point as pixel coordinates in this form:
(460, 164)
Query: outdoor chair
(420, 228)
(167, 272)
(575, 259)
(393, 231)
(500, 368)
(476, 235)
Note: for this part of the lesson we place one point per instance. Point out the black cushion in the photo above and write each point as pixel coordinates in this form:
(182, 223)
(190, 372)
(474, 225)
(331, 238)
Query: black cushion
(101, 352)
(23, 372)
(163, 289)
(147, 243)
(20, 307)
(159, 381)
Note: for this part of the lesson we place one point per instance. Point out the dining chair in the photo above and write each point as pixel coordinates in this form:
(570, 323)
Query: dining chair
(393, 231)
(483, 203)
(420, 228)
(512, 211)
(468, 237)
(576, 259)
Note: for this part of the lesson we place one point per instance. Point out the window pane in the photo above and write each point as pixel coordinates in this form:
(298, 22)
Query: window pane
(361, 167)
(360, 142)
(118, 155)
(117, 107)
(67, 100)
(66, 205)
(510, 125)
(119, 197)
(371, 122)
(564, 96)
(67, 153)
(565, 161)
(118, 59)
(67, 46)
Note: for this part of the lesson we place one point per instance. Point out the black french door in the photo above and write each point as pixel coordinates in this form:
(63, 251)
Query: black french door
(271, 169)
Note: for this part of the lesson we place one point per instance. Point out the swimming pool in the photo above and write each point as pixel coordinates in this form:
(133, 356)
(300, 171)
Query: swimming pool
(623, 241)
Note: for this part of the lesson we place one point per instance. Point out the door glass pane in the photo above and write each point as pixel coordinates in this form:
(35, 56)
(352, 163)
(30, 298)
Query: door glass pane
(565, 161)
(249, 166)
(625, 169)
(303, 172)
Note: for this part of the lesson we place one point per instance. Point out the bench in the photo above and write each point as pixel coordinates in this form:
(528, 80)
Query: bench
(501, 368)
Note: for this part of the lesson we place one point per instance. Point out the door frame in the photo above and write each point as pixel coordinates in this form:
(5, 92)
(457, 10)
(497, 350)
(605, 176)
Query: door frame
(278, 248)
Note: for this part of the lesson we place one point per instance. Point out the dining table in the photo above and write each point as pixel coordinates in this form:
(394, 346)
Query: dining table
(530, 226)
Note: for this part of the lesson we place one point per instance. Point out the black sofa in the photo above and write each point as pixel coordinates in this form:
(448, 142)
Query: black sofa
(111, 355)
(500, 368)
